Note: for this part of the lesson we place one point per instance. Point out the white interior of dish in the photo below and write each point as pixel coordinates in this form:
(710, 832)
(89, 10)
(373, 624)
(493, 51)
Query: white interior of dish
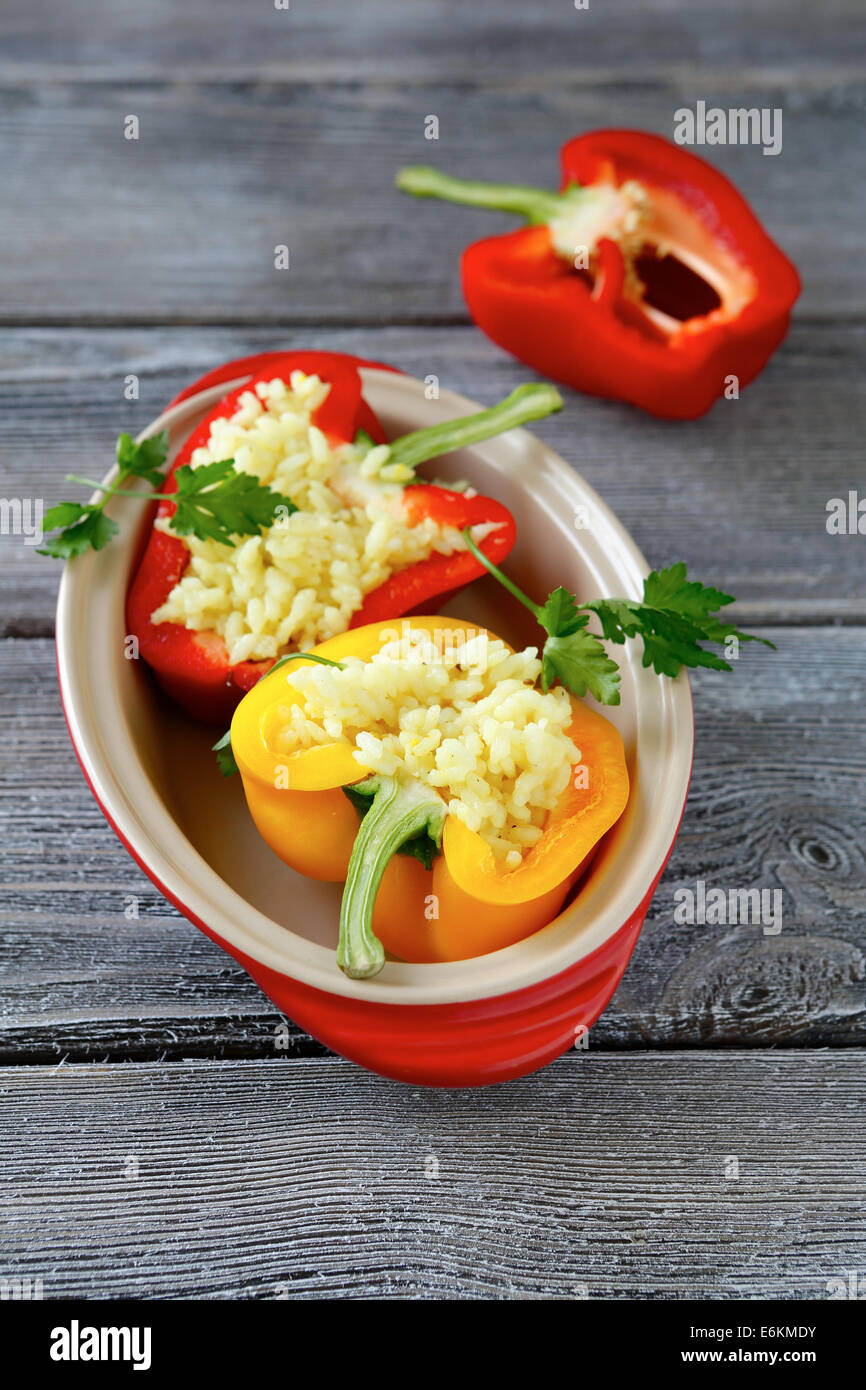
(154, 774)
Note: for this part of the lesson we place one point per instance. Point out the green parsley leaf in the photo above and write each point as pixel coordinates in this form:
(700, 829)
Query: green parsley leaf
(580, 662)
(677, 614)
(571, 654)
(225, 757)
(64, 514)
(92, 532)
(144, 460)
(558, 614)
(671, 589)
(421, 847)
(216, 502)
(675, 617)
(670, 641)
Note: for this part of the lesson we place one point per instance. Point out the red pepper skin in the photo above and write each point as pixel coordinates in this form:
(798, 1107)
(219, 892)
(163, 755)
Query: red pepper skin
(439, 576)
(194, 667)
(261, 364)
(528, 299)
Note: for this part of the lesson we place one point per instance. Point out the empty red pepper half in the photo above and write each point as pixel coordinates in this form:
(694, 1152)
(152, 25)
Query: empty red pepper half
(648, 278)
(194, 667)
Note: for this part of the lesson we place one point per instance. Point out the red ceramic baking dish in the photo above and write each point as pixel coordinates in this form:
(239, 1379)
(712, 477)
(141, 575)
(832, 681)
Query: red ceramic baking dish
(467, 1023)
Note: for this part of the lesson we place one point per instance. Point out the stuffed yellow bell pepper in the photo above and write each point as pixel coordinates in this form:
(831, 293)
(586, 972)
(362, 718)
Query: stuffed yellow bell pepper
(481, 792)
(420, 881)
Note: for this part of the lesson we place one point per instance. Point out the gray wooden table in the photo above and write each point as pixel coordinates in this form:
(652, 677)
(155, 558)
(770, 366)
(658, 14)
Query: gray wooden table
(160, 1137)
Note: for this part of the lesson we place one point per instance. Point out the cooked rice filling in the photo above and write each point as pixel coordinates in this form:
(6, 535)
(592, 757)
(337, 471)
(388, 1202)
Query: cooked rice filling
(468, 722)
(303, 578)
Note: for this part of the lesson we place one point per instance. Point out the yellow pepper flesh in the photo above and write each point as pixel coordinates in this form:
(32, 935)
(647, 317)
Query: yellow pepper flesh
(465, 906)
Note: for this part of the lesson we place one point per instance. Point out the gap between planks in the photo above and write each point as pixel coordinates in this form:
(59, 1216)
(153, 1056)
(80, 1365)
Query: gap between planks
(14, 76)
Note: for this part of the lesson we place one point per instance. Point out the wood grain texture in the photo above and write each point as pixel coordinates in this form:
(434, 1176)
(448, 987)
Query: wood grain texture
(181, 225)
(778, 802)
(312, 41)
(605, 1177)
(264, 1167)
(740, 495)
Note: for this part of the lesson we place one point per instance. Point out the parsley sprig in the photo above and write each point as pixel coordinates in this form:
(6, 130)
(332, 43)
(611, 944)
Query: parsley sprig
(213, 502)
(674, 618)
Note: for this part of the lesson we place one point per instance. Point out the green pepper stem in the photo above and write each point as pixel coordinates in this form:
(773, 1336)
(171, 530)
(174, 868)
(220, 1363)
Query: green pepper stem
(398, 812)
(532, 401)
(507, 583)
(535, 204)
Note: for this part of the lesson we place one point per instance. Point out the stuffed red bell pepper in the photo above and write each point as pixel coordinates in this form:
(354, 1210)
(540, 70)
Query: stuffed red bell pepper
(647, 278)
(361, 541)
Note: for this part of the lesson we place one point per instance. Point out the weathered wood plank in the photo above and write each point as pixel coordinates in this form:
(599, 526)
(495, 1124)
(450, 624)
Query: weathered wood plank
(180, 225)
(337, 40)
(256, 1180)
(248, 1179)
(739, 495)
(778, 802)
